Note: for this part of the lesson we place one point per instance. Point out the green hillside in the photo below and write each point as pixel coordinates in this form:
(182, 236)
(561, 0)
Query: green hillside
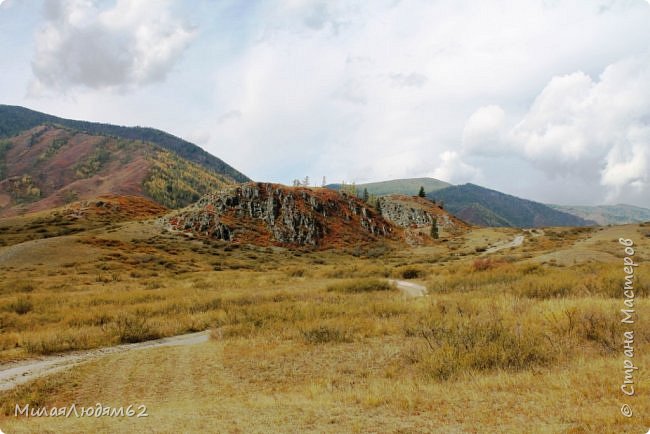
(15, 119)
(409, 187)
(485, 207)
(607, 214)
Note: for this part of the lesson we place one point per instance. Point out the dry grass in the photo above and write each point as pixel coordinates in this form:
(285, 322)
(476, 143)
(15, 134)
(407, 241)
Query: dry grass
(306, 341)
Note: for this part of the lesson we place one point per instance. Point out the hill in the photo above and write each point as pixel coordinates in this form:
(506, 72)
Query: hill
(607, 214)
(484, 207)
(408, 187)
(15, 120)
(95, 214)
(417, 215)
(49, 166)
(272, 214)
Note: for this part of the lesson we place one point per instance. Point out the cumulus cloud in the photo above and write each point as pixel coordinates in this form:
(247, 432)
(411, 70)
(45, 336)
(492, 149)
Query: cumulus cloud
(131, 43)
(364, 91)
(342, 86)
(453, 169)
(483, 131)
(595, 128)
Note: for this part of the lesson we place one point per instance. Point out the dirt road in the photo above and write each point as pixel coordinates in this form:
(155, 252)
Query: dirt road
(13, 374)
(517, 241)
(409, 288)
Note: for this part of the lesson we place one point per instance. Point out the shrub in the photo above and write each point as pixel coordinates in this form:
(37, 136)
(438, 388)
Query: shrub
(409, 272)
(361, 285)
(131, 328)
(21, 306)
(296, 272)
(481, 344)
(483, 264)
(324, 334)
(63, 340)
(544, 288)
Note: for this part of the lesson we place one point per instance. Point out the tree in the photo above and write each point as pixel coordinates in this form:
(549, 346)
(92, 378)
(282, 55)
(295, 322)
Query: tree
(350, 189)
(324, 183)
(296, 183)
(366, 196)
(372, 199)
(421, 193)
(378, 206)
(306, 181)
(434, 229)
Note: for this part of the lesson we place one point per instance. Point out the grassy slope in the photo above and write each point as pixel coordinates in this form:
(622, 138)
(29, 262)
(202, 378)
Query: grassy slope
(15, 119)
(608, 214)
(57, 165)
(468, 200)
(409, 187)
(522, 331)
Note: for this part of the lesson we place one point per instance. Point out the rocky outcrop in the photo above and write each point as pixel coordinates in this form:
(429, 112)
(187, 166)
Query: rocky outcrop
(416, 212)
(263, 213)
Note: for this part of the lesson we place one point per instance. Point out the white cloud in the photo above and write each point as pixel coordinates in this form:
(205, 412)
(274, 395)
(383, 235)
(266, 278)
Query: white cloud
(129, 44)
(596, 129)
(361, 90)
(341, 88)
(453, 169)
(483, 130)
(628, 163)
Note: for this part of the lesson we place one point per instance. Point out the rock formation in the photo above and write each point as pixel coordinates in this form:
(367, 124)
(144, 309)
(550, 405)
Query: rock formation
(272, 214)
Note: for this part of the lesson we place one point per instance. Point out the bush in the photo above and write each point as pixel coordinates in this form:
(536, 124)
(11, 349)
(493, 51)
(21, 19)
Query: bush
(296, 272)
(63, 340)
(545, 288)
(479, 343)
(324, 334)
(409, 272)
(483, 264)
(361, 285)
(21, 306)
(131, 329)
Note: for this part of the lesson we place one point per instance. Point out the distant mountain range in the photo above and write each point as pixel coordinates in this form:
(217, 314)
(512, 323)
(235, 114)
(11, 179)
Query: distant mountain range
(409, 187)
(485, 207)
(608, 214)
(475, 204)
(16, 119)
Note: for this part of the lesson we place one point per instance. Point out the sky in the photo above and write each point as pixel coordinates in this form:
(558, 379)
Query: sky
(547, 100)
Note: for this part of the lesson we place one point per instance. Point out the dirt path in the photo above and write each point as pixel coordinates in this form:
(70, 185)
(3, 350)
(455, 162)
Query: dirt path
(13, 374)
(409, 288)
(517, 241)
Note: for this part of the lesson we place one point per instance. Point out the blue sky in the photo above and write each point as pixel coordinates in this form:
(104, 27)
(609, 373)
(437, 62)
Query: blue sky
(548, 100)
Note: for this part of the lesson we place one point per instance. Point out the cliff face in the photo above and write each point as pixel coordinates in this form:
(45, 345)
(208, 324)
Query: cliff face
(272, 214)
(415, 212)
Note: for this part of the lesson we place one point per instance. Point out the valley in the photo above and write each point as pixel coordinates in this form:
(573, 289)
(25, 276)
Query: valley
(136, 270)
(308, 338)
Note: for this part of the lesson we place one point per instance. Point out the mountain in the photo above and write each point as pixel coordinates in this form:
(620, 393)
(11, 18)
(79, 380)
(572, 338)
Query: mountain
(272, 214)
(484, 207)
(15, 120)
(608, 214)
(49, 166)
(409, 187)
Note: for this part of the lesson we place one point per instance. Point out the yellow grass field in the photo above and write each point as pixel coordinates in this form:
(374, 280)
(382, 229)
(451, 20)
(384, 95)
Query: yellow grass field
(525, 339)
